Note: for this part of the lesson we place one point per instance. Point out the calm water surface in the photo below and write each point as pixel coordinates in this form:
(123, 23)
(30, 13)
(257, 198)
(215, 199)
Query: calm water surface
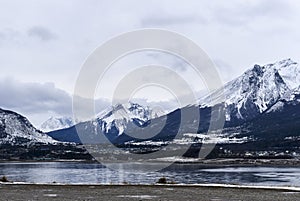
(87, 173)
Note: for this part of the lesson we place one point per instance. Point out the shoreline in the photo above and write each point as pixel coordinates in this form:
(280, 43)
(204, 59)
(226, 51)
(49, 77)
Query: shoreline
(208, 185)
(200, 192)
(207, 163)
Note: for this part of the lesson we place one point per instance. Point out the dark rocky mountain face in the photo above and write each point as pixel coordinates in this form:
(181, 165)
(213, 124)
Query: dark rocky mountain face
(261, 108)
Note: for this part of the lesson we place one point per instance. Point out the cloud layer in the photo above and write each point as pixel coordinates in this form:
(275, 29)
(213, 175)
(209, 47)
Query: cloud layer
(48, 41)
(34, 97)
(37, 101)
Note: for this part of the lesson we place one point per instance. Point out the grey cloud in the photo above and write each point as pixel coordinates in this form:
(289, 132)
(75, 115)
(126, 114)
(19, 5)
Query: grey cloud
(38, 98)
(34, 97)
(42, 33)
(19, 36)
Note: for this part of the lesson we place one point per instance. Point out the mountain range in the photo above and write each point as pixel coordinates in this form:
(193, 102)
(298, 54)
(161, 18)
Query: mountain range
(112, 122)
(261, 109)
(261, 104)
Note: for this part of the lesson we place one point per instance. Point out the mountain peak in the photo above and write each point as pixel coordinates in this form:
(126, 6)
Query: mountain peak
(119, 115)
(279, 65)
(55, 123)
(286, 62)
(257, 68)
(258, 89)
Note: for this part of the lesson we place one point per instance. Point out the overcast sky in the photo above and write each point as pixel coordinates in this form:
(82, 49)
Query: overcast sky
(43, 44)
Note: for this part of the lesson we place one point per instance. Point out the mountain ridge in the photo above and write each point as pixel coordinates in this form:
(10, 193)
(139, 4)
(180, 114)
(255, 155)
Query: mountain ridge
(16, 129)
(253, 102)
(258, 88)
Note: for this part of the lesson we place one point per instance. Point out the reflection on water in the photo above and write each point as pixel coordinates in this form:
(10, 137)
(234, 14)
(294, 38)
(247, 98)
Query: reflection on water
(76, 172)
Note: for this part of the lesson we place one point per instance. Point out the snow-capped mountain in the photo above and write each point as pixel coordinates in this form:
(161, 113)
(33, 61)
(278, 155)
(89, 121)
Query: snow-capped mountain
(258, 90)
(118, 117)
(56, 123)
(262, 108)
(17, 130)
(112, 122)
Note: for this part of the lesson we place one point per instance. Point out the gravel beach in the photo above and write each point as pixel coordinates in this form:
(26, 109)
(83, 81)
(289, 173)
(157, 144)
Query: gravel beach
(140, 192)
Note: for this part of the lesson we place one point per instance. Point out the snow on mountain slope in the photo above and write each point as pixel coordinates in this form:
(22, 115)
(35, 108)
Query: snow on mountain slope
(16, 129)
(56, 123)
(120, 115)
(258, 89)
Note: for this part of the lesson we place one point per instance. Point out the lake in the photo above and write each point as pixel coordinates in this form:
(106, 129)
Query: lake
(93, 173)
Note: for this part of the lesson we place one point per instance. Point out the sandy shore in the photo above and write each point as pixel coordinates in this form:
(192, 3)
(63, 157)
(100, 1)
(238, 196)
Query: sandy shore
(141, 192)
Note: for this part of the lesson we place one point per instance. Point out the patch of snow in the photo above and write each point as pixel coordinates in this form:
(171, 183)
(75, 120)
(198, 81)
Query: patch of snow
(177, 159)
(146, 197)
(148, 142)
(217, 138)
